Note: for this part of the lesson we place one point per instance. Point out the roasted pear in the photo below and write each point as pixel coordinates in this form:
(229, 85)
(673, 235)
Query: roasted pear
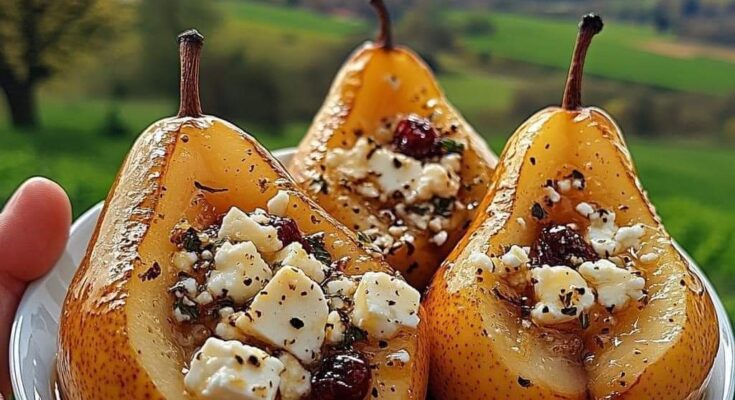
(568, 286)
(390, 158)
(212, 276)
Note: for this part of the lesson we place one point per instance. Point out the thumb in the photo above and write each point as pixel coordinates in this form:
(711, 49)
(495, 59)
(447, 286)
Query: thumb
(34, 227)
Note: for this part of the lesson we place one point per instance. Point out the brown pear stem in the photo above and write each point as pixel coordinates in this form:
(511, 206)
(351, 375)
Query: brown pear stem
(385, 37)
(190, 48)
(590, 26)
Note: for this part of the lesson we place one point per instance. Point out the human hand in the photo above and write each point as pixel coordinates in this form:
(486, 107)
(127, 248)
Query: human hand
(34, 228)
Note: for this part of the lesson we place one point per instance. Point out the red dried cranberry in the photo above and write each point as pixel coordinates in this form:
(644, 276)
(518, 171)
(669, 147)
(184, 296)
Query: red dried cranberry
(561, 245)
(288, 231)
(416, 137)
(342, 376)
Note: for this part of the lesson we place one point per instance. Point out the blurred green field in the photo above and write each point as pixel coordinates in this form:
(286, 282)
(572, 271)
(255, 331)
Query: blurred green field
(549, 42)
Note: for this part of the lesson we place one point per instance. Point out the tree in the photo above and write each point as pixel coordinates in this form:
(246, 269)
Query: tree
(39, 38)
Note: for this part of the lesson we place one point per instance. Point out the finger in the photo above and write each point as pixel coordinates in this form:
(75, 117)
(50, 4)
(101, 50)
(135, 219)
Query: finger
(34, 227)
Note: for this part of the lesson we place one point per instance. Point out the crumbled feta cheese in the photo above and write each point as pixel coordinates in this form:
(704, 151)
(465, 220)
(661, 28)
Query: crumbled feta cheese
(606, 238)
(615, 286)
(181, 317)
(226, 328)
(239, 226)
(436, 224)
(480, 260)
(338, 289)
(294, 255)
(401, 356)
(368, 189)
(564, 185)
(629, 237)
(204, 298)
(189, 285)
(561, 294)
(585, 209)
(513, 266)
(351, 163)
(295, 379)
(440, 238)
(515, 257)
(239, 272)
(649, 258)
(552, 194)
(435, 180)
(232, 370)
(452, 162)
(278, 204)
(289, 313)
(521, 222)
(384, 303)
(396, 172)
(184, 260)
(335, 332)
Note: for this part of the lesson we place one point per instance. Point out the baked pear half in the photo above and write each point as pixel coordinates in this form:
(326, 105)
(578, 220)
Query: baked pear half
(212, 276)
(568, 286)
(390, 158)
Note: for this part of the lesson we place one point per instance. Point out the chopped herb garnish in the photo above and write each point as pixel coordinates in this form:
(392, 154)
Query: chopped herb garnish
(318, 250)
(191, 240)
(190, 310)
(443, 206)
(451, 146)
(354, 334)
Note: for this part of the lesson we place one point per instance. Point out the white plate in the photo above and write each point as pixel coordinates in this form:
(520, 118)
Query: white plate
(35, 329)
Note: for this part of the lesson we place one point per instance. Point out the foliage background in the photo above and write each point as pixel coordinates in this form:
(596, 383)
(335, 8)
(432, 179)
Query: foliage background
(665, 69)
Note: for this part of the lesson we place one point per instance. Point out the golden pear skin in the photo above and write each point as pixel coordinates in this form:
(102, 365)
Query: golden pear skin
(117, 337)
(378, 81)
(662, 349)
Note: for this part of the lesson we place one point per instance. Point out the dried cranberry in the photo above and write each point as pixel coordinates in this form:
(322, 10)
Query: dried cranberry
(342, 376)
(288, 231)
(416, 137)
(561, 245)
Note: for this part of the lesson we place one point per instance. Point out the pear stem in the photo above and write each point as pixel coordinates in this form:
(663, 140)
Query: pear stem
(590, 26)
(385, 37)
(190, 48)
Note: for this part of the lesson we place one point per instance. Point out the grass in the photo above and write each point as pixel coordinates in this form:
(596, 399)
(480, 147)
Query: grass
(617, 53)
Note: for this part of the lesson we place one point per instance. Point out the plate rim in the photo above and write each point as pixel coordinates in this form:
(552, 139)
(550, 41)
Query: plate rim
(726, 342)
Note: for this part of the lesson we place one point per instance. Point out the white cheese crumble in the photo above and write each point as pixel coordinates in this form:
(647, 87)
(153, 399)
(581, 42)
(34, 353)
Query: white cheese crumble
(289, 313)
(606, 238)
(295, 379)
(294, 255)
(335, 332)
(440, 238)
(480, 260)
(239, 272)
(278, 204)
(514, 258)
(232, 370)
(184, 260)
(561, 294)
(239, 226)
(401, 356)
(226, 328)
(615, 286)
(564, 185)
(649, 258)
(552, 194)
(338, 289)
(396, 172)
(383, 304)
